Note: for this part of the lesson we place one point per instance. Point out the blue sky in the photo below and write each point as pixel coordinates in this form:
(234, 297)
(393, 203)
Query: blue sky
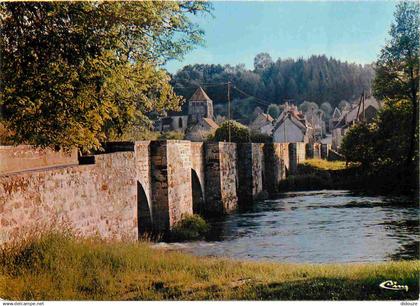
(350, 31)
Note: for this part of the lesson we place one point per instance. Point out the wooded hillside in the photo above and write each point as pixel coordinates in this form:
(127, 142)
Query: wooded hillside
(318, 79)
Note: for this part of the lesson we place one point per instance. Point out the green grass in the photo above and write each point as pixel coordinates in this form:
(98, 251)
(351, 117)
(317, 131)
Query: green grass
(322, 164)
(60, 267)
(317, 174)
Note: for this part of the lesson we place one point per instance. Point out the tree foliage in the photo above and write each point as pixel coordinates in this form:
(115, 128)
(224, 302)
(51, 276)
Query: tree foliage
(273, 110)
(317, 79)
(327, 109)
(357, 145)
(307, 106)
(388, 145)
(76, 73)
(383, 142)
(343, 105)
(238, 132)
(397, 69)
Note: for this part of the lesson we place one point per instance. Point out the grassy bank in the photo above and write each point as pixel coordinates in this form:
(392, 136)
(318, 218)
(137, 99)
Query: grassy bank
(59, 267)
(317, 174)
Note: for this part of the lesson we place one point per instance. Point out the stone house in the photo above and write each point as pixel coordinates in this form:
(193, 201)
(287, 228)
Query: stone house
(201, 130)
(172, 123)
(334, 119)
(291, 126)
(263, 124)
(314, 119)
(363, 111)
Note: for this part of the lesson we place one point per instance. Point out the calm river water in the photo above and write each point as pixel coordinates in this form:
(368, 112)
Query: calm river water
(319, 227)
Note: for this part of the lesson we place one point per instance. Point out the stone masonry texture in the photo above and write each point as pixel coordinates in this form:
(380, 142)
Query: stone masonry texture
(134, 183)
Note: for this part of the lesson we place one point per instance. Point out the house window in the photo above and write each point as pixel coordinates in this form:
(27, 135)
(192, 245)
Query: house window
(180, 122)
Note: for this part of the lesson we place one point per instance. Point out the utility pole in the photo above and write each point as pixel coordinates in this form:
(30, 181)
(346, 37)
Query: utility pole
(364, 112)
(228, 97)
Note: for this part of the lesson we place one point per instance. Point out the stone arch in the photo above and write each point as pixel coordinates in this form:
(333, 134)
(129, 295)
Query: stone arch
(197, 193)
(144, 213)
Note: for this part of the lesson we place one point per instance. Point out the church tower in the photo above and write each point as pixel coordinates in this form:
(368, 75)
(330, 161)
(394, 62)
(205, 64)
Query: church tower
(200, 106)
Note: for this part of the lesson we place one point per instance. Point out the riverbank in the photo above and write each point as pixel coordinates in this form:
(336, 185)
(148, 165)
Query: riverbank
(60, 267)
(317, 174)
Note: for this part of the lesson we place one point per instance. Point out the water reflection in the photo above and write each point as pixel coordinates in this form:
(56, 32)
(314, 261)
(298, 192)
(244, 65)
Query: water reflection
(321, 226)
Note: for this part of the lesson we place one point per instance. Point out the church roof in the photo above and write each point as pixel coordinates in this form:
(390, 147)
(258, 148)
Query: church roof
(200, 95)
(211, 123)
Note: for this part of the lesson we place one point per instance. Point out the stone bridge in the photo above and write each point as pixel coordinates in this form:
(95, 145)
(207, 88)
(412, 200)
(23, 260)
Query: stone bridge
(137, 187)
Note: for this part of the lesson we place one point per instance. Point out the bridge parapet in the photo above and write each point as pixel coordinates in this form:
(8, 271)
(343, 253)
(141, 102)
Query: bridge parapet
(145, 185)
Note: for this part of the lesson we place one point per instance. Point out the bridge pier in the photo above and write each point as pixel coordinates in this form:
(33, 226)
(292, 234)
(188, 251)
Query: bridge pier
(251, 172)
(297, 155)
(276, 164)
(171, 182)
(221, 178)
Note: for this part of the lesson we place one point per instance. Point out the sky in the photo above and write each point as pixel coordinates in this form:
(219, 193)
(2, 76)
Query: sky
(351, 31)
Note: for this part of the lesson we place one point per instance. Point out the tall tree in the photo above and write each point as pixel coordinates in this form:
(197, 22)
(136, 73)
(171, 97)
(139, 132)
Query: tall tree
(273, 110)
(74, 73)
(307, 106)
(262, 61)
(327, 109)
(397, 69)
(340, 80)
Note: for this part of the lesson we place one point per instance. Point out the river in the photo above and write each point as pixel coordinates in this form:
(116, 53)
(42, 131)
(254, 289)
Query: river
(315, 227)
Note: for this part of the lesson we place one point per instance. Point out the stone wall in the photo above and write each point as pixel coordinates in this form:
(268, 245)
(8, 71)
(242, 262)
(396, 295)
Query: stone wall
(300, 152)
(21, 158)
(179, 180)
(221, 177)
(245, 173)
(317, 150)
(297, 155)
(276, 165)
(198, 162)
(171, 187)
(93, 199)
(251, 172)
(325, 148)
(198, 177)
(313, 150)
(143, 186)
(309, 150)
(258, 170)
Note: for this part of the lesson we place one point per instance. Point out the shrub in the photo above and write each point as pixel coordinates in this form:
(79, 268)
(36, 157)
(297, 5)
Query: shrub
(5, 135)
(189, 228)
(260, 138)
(172, 135)
(238, 132)
(358, 146)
